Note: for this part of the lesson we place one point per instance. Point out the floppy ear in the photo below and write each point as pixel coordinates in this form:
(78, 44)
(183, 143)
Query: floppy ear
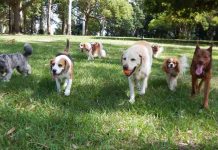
(67, 66)
(51, 61)
(177, 67)
(164, 66)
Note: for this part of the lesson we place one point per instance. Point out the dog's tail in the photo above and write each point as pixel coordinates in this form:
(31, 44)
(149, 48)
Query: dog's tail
(28, 50)
(66, 50)
(183, 64)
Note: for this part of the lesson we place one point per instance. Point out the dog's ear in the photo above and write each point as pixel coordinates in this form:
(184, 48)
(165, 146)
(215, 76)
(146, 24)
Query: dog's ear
(177, 68)
(210, 48)
(164, 66)
(51, 61)
(67, 65)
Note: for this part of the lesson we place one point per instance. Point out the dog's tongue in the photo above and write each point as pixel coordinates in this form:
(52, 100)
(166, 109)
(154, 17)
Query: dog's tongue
(199, 69)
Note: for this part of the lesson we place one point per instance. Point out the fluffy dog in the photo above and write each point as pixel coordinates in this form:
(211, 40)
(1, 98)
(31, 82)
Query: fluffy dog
(8, 62)
(93, 50)
(157, 50)
(137, 62)
(62, 69)
(201, 68)
(173, 67)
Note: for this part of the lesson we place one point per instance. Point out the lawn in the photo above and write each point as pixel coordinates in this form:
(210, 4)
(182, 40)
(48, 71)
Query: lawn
(97, 114)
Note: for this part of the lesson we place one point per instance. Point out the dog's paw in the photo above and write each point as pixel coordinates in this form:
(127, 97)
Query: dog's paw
(132, 100)
(5, 80)
(67, 92)
(141, 92)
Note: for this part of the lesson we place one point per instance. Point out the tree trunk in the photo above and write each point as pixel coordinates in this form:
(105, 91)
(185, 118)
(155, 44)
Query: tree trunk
(69, 18)
(24, 22)
(41, 28)
(84, 25)
(10, 23)
(17, 23)
(49, 18)
(63, 28)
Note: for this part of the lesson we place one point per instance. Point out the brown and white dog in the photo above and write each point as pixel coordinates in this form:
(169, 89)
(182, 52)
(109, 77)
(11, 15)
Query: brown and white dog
(201, 68)
(173, 67)
(62, 69)
(137, 62)
(93, 50)
(157, 50)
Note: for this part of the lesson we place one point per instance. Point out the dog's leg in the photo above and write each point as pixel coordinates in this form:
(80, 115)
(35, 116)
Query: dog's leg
(7, 77)
(90, 55)
(199, 86)
(132, 92)
(194, 85)
(144, 86)
(173, 83)
(29, 70)
(58, 86)
(68, 87)
(206, 92)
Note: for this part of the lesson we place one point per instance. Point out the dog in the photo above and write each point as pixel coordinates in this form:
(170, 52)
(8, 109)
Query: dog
(137, 62)
(173, 67)
(8, 62)
(93, 50)
(62, 69)
(201, 68)
(157, 50)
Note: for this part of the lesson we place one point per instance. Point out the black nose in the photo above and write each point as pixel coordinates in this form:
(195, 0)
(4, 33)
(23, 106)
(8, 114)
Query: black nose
(171, 65)
(54, 71)
(125, 67)
(201, 62)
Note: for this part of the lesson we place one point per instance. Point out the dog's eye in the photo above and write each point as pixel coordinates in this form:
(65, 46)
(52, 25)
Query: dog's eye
(133, 59)
(60, 65)
(124, 58)
(53, 64)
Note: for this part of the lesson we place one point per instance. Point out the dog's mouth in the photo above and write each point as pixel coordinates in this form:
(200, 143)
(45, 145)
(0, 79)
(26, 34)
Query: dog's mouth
(199, 69)
(128, 72)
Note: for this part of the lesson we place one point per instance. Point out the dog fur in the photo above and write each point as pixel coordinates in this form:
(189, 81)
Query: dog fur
(157, 50)
(8, 62)
(201, 68)
(93, 50)
(62, 69)
(174, 67)
(137, 62)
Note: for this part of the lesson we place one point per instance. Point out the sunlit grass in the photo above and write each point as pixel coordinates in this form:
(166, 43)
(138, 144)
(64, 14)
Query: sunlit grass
(97, 114)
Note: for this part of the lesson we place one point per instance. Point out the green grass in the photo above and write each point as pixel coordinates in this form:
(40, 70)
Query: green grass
(97, 114)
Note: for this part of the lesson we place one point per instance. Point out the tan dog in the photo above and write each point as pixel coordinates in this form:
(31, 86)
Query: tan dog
(173, 67)
(93, 50)
(137, 62)
(62, 69)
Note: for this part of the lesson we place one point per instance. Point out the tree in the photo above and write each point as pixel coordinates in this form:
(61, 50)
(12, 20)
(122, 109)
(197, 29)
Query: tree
(49, 17)
(69, 18)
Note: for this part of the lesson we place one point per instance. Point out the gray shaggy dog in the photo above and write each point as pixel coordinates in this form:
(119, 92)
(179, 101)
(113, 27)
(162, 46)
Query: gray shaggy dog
(8, 62)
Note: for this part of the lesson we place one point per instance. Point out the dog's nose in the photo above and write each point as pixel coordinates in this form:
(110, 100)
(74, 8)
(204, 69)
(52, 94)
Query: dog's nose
(201, 62)
(54, 71)
(125, 67)
(171, 65)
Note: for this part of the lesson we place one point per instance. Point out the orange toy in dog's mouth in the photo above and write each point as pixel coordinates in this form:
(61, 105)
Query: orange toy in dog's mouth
(128, 72)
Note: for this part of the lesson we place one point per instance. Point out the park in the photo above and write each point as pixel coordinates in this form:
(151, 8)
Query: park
(97, 114)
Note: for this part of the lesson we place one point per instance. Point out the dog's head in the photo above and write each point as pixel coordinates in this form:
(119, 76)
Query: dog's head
(59, 65)
(130, 61)
(155, 48)
(202, 59)
(171, 64)
(3, 68)
(85, 46)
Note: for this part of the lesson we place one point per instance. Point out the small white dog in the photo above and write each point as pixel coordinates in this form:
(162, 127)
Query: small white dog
(157, 50)
(137, 62)
(93, 50)
(62, 69)
(173, 67)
